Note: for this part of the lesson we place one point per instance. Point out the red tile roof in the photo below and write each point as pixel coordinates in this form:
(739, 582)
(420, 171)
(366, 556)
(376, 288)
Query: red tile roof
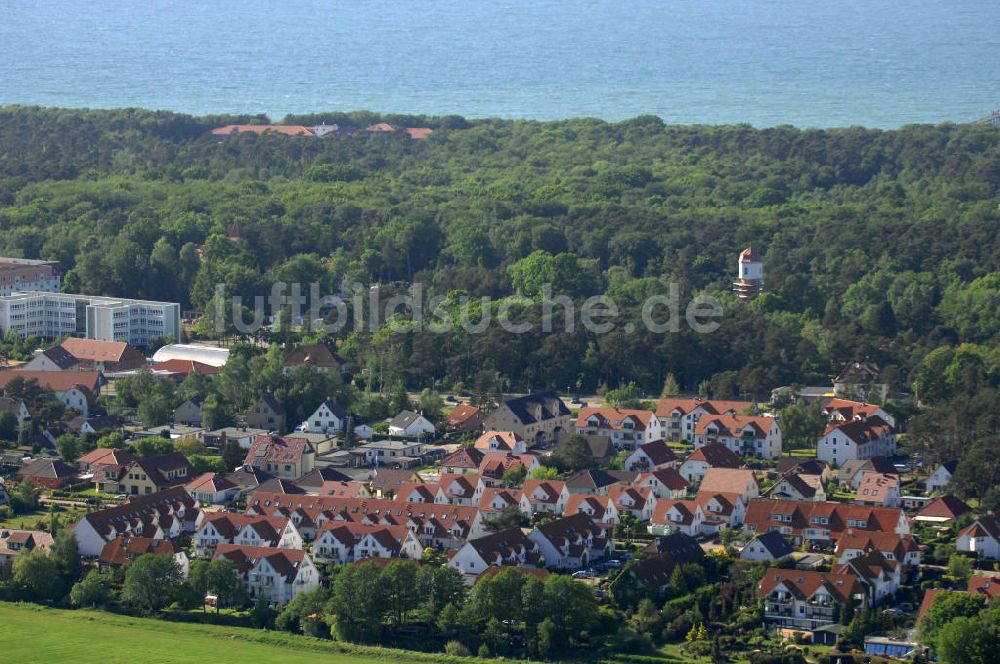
(716, 455)
(614, 418)
(56, 381)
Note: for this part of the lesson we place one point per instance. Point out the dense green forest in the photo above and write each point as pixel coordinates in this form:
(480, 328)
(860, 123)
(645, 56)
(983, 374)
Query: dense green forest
(879, 244)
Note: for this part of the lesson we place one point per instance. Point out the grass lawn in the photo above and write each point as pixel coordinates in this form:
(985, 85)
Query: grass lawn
(37, 634)
(28, 520)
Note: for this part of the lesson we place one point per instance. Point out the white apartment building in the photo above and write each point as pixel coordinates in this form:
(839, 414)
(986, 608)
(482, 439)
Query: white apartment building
(23, 274)
(51, 315)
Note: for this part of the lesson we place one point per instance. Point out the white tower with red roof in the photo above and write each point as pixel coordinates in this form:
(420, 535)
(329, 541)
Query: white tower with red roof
(750, 274)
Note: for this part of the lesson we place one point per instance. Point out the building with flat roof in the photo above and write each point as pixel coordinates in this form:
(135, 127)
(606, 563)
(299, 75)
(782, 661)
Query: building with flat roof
(25, 274)
(51, 315)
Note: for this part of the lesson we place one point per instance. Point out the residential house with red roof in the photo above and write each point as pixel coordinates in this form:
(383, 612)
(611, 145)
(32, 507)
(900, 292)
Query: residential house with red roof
(162, 515)
(757, 436)
(348, 542)
(543, 497)
(212, 489)
(981, 537)
(679, 415)
(625, 428)
(572, 542)
(893, 546)
(942, 510)
(495, 464)
(274, 574)
(655, 455)
(78, 390)
(798, 486)
(147, 475)
(844, 410)
(878, 489)
(442, 526)
(987, 586)
(245, 529)
(666, 483)
(676, 516)
(122, 551)
(808, 600)
(464, 417)
(712, 455)
(637, 502)
(509, 547)
(495, 500)
(287, 457)
(48, 473)
(459, 489)
(316, 356)
(601, 509)
(501, 441)
(463, 460)
(856, 439)
(102, 355)
(13, 542)
(798, 520)
(880, 575)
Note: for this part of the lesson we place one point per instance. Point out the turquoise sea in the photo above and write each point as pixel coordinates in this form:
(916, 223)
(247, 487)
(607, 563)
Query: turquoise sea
(880, 63)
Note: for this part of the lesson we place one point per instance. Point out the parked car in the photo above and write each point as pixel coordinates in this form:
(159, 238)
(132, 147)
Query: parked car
(582, 574)
(614, 563)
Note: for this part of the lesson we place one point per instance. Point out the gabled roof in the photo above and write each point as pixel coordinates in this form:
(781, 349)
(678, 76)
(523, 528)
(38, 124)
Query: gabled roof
(945, 507)
(579, 503)
(590, 479)
(735, 425)
(504, 440)
(668, 477)
(248, 477)
(95, 350)
(332, 406)
(317, 355)
(716, 455)
(404, 419)
(859, 372)
(552, 490)
(462, 414)
(390, 479)
(57, 381)
(686, 509)
(775, 544)
(503, 544)
(143, 507)
(685, 405)
(122, 550)
(838, 516)
(861, 431)
(47, 469)
(867, 540)
(157, 467)
(614, 418)
(277, 449)
(875, 487)
(466, 457)
(60, 357)
(987, 586)
(728, 480)
(804, 584)
(548, 405)
(106, 456)
(268, 401)
(213, 482)
(279, 485)
(317, 477)
(986, 525)
(658, 452)
(801, 466)
(285, 562)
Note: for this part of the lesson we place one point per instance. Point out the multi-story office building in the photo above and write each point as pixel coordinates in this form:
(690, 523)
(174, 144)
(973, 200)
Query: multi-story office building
(23, 274)
(51, 315)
